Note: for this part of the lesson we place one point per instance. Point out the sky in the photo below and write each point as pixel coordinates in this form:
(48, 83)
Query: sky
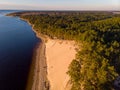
(60, 4)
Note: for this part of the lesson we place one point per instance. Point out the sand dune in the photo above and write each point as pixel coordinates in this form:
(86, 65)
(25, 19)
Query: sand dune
(59, 54)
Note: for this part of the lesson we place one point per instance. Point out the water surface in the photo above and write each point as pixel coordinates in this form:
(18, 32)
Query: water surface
(17, 41)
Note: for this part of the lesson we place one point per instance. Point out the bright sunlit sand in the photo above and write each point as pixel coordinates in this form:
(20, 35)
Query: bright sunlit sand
(59, 55)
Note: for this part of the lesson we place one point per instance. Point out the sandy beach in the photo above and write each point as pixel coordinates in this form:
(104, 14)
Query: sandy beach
(52, 61)
(40, 81)
(59, 54)
(40, 72)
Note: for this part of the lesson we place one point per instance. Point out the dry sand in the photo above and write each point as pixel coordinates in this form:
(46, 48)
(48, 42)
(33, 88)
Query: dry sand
(59, 54)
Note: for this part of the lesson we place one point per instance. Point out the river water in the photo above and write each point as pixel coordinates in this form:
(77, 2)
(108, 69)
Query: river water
(17, 41)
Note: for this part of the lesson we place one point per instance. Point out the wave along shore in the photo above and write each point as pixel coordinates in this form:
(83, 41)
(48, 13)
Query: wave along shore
(52, 60)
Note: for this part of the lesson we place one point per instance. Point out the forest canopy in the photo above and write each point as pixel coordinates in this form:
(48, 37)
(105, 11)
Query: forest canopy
(98, 63)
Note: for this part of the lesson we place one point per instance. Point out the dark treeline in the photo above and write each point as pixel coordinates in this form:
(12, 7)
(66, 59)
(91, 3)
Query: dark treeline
(59, 12)
(98, 63)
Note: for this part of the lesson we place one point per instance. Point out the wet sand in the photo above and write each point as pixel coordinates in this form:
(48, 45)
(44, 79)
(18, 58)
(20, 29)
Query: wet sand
(40, 72)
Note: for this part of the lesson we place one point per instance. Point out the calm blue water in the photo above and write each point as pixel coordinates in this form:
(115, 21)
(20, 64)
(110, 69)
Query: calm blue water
(17, 41)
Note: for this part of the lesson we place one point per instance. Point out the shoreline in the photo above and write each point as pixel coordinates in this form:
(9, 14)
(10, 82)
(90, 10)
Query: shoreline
(44, 78)
(40, 81)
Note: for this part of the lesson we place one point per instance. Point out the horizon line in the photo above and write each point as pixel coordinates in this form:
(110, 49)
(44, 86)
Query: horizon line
(59, 10)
